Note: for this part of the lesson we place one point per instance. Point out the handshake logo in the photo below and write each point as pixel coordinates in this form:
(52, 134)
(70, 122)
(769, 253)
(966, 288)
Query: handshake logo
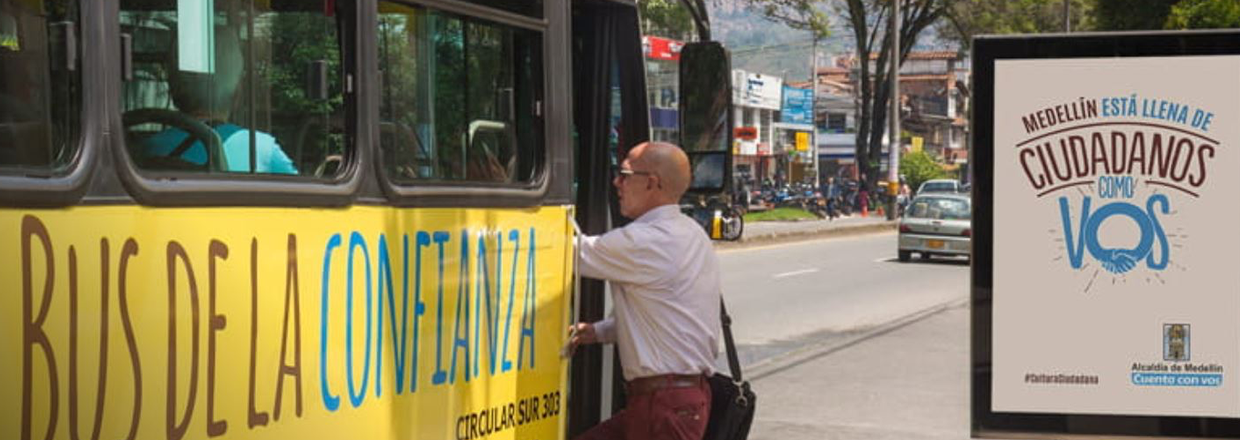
(1151, 248)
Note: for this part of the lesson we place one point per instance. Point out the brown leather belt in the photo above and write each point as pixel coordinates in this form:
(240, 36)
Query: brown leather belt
(646, 385)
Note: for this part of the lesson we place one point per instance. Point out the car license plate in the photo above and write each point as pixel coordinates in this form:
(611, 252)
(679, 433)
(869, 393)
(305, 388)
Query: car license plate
(934, 244)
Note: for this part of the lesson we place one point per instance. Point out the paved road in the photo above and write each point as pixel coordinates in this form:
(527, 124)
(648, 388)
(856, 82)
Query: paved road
(783, 297)
(848, 343)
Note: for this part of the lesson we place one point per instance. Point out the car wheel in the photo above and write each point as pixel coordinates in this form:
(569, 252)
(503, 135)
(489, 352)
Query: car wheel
(905, 256)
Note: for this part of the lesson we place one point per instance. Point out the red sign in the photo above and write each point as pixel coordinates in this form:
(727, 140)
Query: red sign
(745, 133)
(661, 48)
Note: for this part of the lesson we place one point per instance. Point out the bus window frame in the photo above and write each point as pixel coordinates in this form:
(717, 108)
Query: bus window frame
(171, 188)
(47, 188)
(468, 193)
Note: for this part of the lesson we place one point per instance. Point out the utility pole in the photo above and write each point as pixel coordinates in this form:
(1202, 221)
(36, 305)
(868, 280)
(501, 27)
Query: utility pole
(893, 144)
(1067, 17)
(813, 117)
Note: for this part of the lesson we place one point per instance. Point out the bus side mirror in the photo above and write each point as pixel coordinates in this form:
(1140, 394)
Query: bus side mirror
(706, 115)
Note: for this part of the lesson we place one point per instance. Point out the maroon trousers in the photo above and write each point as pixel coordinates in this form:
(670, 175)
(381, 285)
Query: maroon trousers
(662, 414)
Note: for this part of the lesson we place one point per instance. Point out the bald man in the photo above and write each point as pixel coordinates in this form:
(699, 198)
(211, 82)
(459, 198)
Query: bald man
(665, 285)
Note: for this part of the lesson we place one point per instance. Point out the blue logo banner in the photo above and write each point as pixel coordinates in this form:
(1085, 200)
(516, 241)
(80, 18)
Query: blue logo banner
(798, 107)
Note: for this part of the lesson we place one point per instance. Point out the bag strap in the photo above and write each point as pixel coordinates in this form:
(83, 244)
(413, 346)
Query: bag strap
(734, 362)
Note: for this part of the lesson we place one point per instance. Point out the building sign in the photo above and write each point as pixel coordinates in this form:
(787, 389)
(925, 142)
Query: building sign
(657, 48)
(745, 133)
(756, 90)
(748, 148)
(836, 146)
(798, 106)
(802, 139)
(1114, 236)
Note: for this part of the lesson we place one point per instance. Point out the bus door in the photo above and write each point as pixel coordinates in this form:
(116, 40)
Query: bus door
(610, 116)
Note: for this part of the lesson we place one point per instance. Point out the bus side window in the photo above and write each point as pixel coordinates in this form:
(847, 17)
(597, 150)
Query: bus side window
(460, 98)
(235, 86)
(40, 86)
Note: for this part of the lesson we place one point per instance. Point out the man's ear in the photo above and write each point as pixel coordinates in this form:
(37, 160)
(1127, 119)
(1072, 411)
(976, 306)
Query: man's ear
(652, 178)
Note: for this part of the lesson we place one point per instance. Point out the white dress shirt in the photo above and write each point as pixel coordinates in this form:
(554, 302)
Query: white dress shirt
(665, 284)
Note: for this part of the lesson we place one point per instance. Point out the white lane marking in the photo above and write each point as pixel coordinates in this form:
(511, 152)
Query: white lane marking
(818, 240)
(793, 273)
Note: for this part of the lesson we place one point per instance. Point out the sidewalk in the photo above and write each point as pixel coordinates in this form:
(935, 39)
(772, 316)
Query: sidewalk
(910, 383)
(774, 231)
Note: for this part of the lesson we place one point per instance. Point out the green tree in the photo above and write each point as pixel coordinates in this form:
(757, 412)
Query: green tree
(1204, 14)
(298, 39)
(869, 22)
(288, 41)
(918, 167)
(808, 15)
(667, 18)
(965, 19)
(1132, 15)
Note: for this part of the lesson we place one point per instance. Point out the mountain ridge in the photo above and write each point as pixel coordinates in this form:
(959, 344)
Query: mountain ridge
(760, 45)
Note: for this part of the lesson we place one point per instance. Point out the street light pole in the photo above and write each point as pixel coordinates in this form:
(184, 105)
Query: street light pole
(893, 144)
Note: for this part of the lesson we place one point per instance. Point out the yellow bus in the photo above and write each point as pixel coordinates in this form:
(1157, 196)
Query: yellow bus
(311, 218)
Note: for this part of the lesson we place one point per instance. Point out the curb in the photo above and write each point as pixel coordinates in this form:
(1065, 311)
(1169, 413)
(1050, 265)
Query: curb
(790, 237)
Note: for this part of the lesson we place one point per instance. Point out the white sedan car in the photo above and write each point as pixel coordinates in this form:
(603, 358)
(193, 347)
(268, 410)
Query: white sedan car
(936, 224)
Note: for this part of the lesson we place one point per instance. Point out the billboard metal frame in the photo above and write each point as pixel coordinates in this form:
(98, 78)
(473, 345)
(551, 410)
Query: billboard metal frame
(986, 51)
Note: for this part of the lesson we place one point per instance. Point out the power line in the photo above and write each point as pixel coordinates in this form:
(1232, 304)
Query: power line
(784, 46)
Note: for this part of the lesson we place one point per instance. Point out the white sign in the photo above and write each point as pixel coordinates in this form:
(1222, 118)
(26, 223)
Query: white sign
(1116, 229)
(749, 148)
(757, 90)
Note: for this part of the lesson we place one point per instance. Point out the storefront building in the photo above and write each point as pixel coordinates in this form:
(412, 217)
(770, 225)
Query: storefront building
(757, 100)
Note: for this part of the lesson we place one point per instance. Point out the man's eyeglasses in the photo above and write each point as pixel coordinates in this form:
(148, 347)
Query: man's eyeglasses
(624, 173)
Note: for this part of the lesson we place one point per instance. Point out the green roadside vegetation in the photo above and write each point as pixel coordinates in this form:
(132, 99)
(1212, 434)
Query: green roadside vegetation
(779, 214)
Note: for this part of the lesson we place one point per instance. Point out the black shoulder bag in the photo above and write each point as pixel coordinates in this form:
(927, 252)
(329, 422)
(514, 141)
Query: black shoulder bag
(731, 400)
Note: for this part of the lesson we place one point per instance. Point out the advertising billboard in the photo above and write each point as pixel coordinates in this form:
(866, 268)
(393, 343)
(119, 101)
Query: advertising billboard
(1105, 286)
(798, 106)
(356, 323)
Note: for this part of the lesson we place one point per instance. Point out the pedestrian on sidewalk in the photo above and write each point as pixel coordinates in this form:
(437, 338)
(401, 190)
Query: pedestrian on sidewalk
(665, 283)
(832, 192)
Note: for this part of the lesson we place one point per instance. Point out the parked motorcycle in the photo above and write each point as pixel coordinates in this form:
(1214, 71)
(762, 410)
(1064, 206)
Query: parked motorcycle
(818, 205)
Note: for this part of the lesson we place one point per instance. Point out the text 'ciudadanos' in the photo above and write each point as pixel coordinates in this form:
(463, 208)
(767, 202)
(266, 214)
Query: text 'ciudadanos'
(1127, 150)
